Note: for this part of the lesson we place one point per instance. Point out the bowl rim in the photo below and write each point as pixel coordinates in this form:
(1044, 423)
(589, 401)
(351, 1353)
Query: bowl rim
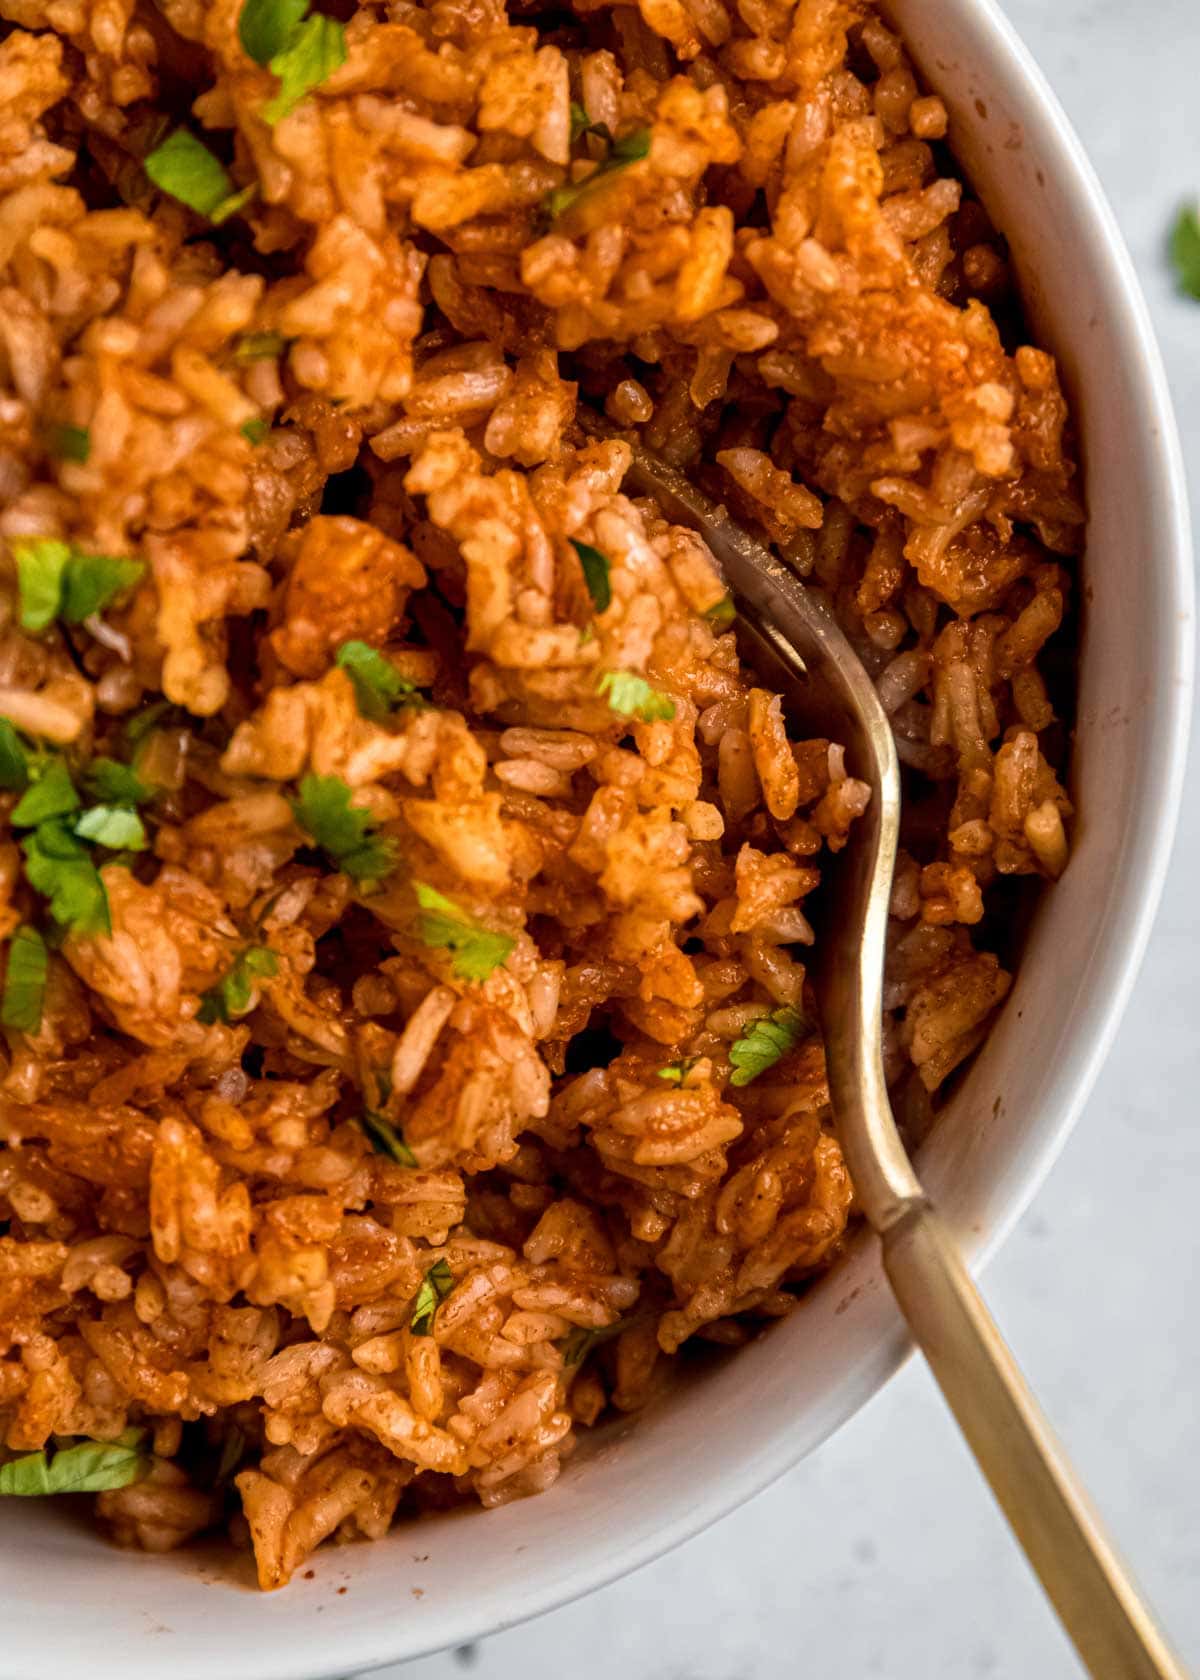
(313, 1651)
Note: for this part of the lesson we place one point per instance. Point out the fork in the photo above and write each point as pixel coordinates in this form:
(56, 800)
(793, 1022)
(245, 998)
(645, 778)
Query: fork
(794, 638)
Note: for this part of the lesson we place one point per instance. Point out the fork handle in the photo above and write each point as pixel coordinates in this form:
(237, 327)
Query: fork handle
(1035, 1487)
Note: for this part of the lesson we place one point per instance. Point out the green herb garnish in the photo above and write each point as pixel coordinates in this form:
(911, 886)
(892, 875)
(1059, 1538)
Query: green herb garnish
(435, 1286)
(114, 783)
(676, 1072)
(70, 443)
(185, 169)
(14, 760)
(59, 866)
(231, 996)
(114, 826)
(632, 696)
(313, 51)
(595, 574)
(385, 1138)
(266, 26)
(91, 1467)
(51, 793)
(1185, 250)
(576, 1347)
(378, 686)
(344, 832)
(57, 580)
(763, 1043)
(254, 431)
(24, 981)
(477, 950)
(259, 347)
(582, 124)
(722, 615)
(630, 149)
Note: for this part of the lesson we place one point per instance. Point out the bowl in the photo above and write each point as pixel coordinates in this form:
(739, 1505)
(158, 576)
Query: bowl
(72, 1603)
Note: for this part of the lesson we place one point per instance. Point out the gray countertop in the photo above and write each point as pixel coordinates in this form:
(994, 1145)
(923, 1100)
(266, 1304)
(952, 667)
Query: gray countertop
(882, 1554)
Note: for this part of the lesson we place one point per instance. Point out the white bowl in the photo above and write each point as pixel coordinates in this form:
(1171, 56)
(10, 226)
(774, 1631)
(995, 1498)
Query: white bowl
(73, 1604)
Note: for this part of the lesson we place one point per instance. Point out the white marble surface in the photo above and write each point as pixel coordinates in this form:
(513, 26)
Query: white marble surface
(882, 1554)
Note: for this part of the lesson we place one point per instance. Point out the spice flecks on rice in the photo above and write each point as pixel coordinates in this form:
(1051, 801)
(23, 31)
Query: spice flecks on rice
(408, 1046)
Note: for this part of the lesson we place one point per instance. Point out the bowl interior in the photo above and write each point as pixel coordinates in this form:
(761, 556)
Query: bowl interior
(640, 1488)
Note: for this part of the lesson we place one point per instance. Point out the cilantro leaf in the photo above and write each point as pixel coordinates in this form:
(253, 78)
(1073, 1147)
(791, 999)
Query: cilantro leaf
(185, 169)
(41, 562)
(70, 443)
(477, 950)
(343, 831)
(385, 1138)
(233, 1450)
(676, 1072)
(378, 686)
(56, 580)
(114, 826)
(259, 347)
(763, 1043)
(24, 981)
(631, 148)
(143, 723)
(722, 615)
(115, 783)
(91, 581)
(254, 431)
(91, 1467)
(232, 995)
(14, 760)
(576, 1347)
(435, 1286)
(313, 51)
(58, 866)
(632, 696)
(580, 121)
(595, 574)
(266, 26)
(51, 794)
(1185, 250)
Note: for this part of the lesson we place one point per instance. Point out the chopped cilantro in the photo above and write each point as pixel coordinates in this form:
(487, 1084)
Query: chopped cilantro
(1185, 250)
(90, 1467)
(313, 51)
(385, 1138)
(50, 794)
(24, 981)
(595, 574)
(378, 686)
(676, 1072)
(477, 950)
(722, 615)
(70, 443)
(576, 1347)
(185, 169)
(233, 1450)
(259, 347)
(631, 148)
(254, 431)
(632, 696)
(763, 1043)
(435, 1286)
(232, 995)
(114, 826)
(56, 580)
(59, 867)
(143, 723)
(14, 760)
(343, 831)
(266, 26)
(115, 783)
(582, 124)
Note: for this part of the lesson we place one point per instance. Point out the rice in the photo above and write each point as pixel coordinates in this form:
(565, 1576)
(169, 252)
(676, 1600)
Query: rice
(430, 1056)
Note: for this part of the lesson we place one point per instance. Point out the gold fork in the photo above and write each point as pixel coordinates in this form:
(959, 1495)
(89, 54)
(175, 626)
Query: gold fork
(794, 641)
